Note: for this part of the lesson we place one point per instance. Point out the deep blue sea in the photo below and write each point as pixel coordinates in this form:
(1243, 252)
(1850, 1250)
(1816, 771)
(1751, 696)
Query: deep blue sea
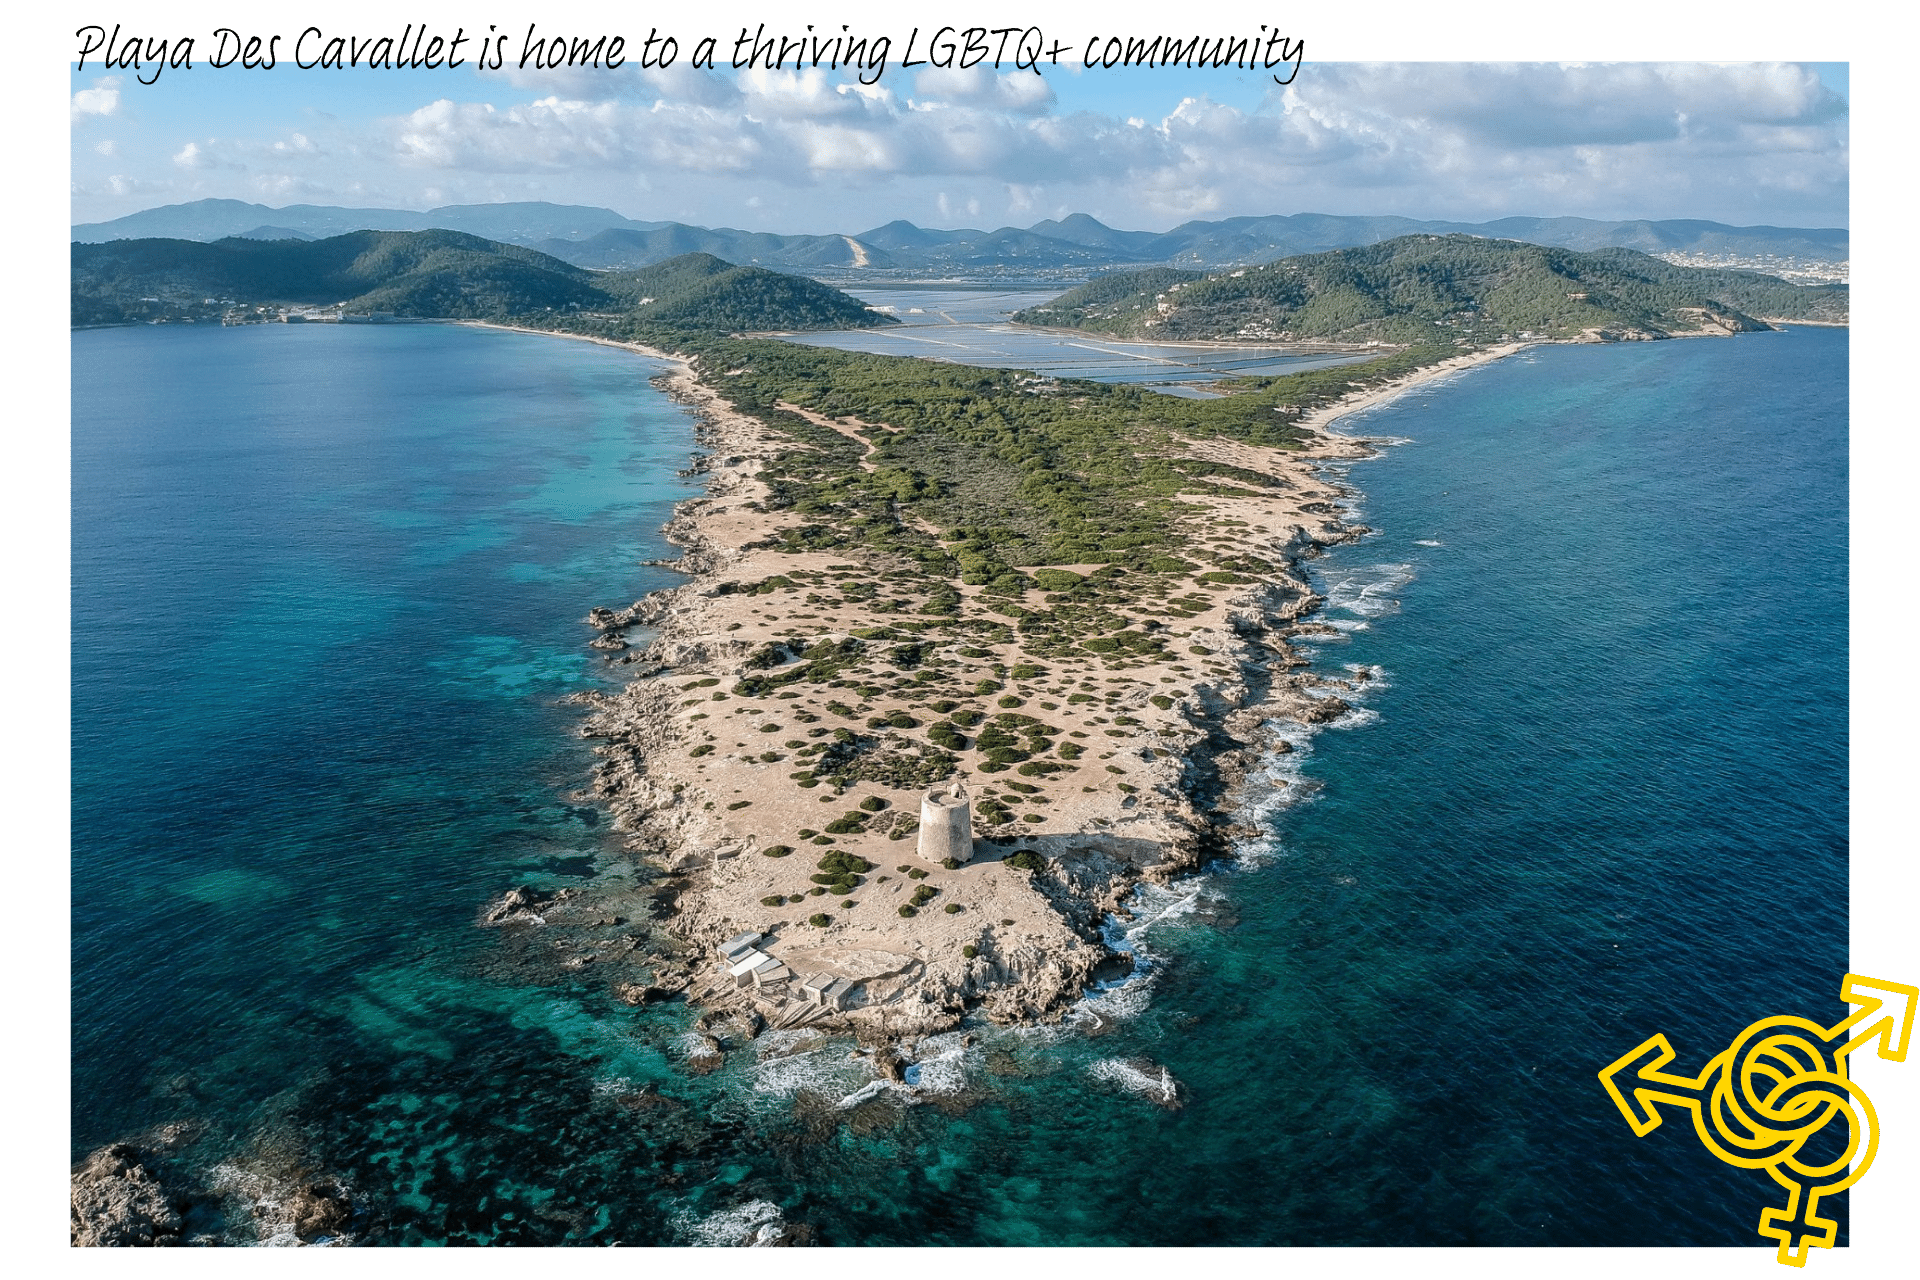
(328, 585)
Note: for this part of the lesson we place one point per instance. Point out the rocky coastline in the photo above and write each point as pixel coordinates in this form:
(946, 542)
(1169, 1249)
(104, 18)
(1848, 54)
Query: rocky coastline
(1145, 760)
(729, 833)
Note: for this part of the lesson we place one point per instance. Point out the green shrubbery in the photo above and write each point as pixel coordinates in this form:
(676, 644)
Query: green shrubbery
(943, 734)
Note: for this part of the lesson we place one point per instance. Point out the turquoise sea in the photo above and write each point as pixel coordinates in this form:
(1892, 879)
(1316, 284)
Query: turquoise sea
(328, 590)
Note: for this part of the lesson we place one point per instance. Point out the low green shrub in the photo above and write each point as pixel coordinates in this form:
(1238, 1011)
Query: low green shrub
(944, 735)
(1056, 579)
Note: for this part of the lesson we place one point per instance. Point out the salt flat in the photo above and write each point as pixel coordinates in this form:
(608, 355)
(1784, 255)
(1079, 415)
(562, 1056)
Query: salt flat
(971, 326)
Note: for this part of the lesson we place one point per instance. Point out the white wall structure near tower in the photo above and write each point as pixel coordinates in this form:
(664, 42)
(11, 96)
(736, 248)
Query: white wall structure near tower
(946, 825)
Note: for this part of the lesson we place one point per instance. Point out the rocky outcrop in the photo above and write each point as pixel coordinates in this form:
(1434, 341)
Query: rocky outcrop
(116, 1200)
(317, 1210)
(523, 905)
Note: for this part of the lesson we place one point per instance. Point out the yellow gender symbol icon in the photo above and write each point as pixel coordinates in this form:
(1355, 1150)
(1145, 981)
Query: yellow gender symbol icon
(1761, 1101)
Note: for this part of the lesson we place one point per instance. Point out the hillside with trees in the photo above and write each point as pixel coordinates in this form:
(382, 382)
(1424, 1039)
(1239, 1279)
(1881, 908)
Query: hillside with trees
(1452, 288)
(439, 275)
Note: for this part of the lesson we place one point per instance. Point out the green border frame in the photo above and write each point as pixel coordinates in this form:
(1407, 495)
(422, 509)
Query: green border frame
(1884, 879)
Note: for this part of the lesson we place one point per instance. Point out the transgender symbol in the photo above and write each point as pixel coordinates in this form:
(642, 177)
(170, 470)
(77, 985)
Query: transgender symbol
(1763, 1099)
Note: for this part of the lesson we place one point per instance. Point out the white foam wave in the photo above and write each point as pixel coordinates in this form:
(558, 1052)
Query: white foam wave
(824, 1070)
(871, 1089)
(1157, 1086)
(749, 1225)
(265, 1201)
(1278, 783)
(1127, 996)
(1367, 591)
(1367, 677)
(940, 1064)
(1428, 542)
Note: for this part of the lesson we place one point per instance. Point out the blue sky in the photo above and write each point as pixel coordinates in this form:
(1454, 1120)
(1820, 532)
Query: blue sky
(1739, 142)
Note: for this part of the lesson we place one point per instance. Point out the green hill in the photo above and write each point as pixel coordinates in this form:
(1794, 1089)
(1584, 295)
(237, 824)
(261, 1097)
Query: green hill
(440, 275)
(1418, 288)
(697, 291)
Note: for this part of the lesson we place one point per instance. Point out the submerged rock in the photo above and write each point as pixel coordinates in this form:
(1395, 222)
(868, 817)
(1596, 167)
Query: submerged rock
(1324, 710)
(705, 1056)
(316, 1210)
(523, 904)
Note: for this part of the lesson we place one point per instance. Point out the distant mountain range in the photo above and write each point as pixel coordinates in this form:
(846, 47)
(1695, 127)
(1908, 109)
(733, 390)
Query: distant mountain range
(601, 239)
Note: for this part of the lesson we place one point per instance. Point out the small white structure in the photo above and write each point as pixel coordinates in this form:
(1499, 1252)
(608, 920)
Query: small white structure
(946, 825)
(825, 991)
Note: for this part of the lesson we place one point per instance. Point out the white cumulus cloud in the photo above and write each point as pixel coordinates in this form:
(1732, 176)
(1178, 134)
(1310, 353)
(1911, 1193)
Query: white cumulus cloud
(103, 99)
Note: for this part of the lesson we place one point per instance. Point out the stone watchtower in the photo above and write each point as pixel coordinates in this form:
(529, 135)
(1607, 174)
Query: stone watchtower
(946, 825)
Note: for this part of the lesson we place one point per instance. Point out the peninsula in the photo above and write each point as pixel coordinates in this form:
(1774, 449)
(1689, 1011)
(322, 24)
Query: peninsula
(1078, 602)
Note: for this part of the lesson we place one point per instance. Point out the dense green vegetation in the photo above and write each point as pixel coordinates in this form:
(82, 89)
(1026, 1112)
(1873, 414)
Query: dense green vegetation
(1423, 288)
(441, 275)
(1013, 470)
